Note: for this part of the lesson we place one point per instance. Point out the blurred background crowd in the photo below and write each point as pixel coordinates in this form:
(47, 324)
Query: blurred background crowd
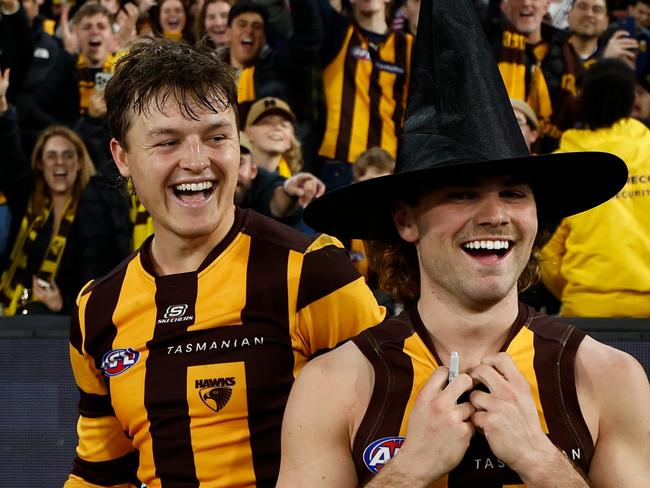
(322, 92)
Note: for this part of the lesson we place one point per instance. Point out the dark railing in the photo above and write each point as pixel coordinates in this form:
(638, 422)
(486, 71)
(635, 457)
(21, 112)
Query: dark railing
(38, 396)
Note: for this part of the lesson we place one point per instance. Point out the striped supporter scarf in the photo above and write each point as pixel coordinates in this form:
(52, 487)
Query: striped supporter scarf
(15, 287)
(512, 65)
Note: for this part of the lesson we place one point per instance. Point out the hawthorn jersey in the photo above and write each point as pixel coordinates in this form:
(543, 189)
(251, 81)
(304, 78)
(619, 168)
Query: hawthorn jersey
(185, 377)
(366, 86)
(403, 357)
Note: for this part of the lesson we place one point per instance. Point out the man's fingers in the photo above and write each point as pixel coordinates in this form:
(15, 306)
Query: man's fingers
(461, 384)
(465, 410)
(504, 364)
(320, 188)
(487, 375)
(478, 419)
(436, 381)
(480, 400)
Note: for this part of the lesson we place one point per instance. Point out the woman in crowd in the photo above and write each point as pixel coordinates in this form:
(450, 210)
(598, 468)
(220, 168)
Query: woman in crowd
(40, 276)
(212, 23)
(170, 19)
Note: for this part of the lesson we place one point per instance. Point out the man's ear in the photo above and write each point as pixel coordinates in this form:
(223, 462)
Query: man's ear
(404, 218)
(504, 7)
(120, 157)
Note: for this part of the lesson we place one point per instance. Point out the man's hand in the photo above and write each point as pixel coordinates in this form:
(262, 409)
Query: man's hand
(439, 431)
(304, 186)
(508, 415)
(68, 34)
(48, 293)
(623, 47)
(4, 86)
(145, 5)
(97, 104)
(127, 18)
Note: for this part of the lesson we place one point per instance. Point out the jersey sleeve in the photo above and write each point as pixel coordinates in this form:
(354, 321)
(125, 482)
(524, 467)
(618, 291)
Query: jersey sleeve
(550, 260)
(105, 455)
(334, 303)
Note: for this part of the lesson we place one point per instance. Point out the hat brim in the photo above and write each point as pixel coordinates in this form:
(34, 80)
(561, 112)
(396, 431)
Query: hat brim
(564, 184)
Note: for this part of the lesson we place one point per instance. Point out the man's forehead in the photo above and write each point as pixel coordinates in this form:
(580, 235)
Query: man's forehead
(94, 19)
(601, 3)
(249, 17)
(163, 115)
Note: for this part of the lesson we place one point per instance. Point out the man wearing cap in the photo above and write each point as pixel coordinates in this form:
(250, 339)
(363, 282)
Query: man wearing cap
(527, 121)
(269, 193)
(532, 401)
(270, 129)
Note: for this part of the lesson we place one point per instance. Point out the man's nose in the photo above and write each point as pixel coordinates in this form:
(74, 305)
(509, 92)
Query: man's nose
(492, 210)
(196, 158)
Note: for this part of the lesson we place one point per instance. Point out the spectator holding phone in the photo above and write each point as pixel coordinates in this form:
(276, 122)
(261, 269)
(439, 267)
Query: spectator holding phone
(90, 48)
(627, 39)
(40, 274)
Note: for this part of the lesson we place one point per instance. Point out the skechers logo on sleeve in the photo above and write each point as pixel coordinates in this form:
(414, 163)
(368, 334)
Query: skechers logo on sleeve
(118, 361)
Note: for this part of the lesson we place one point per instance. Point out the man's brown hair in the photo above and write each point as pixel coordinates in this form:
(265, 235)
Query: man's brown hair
(155, 70)
(90, 9)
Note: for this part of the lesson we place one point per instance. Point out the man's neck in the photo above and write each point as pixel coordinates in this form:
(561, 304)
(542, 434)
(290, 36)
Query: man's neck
(473, 333)
(534, 37)
(584, 46)
(235, 63)
(372, 22)
(268, 161)
(174, 254)
(94, 63)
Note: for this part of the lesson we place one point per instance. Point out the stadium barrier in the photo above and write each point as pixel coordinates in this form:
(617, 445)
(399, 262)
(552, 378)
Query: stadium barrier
(38, 397)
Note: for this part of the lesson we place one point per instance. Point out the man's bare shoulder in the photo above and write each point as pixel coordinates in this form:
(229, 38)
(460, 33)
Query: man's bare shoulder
(345, 369)
(610, 377)
(599, 358)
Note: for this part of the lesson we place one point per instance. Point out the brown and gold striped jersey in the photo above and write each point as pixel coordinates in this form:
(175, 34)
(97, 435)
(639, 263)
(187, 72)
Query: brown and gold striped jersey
(403, 357)
(366, 86)
(185, 377)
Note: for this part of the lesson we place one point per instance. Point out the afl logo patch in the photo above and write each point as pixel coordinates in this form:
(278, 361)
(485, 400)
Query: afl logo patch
(377, 454)
(118, 361)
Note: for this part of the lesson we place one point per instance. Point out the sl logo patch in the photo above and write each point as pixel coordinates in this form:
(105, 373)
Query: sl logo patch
(118, 361)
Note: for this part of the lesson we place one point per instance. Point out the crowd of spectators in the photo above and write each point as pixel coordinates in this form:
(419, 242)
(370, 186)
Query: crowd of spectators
(320, 84)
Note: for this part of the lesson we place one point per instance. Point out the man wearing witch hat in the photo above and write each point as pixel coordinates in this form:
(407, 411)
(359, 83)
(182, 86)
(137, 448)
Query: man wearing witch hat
(454, 234)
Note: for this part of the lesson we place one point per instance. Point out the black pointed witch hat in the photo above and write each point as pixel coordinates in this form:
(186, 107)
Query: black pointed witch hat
(459, 121)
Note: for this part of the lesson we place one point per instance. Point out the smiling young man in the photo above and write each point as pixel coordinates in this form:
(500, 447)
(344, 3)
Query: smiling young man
(532, 401)
(281, 70)
(185, 353)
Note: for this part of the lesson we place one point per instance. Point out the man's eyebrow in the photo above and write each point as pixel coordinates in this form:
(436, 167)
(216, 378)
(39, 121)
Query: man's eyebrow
(162, 131)
(171, 131)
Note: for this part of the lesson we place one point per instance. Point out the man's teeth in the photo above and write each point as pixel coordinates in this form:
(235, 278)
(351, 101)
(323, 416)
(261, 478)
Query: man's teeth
(487, 245)
(202, 186)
